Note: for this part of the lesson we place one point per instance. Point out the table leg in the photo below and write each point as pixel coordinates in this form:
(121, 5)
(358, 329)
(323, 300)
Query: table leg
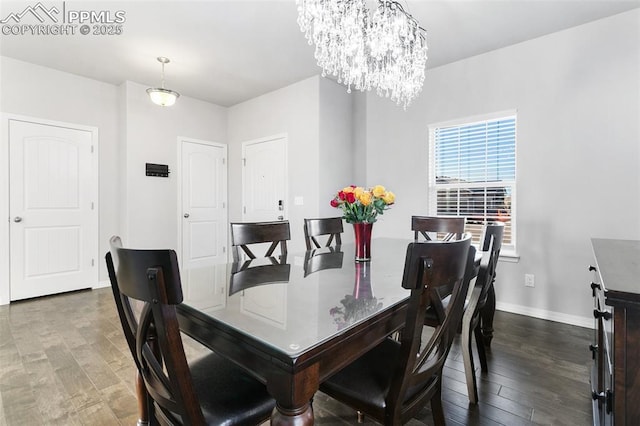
(295, 417)
(486, 316)
(293, 394)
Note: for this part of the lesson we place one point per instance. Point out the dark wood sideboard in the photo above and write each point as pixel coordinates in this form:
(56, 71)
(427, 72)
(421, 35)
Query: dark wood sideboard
(615, 376)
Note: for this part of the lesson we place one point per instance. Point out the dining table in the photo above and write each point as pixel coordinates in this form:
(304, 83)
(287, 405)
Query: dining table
(294, 322)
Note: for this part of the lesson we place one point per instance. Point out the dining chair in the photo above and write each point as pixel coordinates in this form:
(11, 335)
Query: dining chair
(444, 228)
(331, 226)
(394, 380)
(492, 243)
(211, 390)
(441, 228)
(246, 233)
(488, 308)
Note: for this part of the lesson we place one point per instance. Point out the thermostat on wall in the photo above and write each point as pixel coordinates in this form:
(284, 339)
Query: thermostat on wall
(161, 170)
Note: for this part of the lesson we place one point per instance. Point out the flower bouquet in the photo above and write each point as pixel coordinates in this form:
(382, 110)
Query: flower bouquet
(361, 208)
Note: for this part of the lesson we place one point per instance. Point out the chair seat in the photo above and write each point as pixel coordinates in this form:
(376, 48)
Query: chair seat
(368, 379)
(228, 395)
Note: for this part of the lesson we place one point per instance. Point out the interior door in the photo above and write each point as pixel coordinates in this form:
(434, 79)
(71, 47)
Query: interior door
(204, 197)
(53, 177)
(264, 180)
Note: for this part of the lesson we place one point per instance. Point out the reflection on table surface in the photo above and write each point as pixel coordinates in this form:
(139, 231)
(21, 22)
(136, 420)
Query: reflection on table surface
(323, 258)
(296, 303)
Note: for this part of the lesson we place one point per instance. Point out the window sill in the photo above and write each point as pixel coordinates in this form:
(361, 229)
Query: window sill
(510, 256)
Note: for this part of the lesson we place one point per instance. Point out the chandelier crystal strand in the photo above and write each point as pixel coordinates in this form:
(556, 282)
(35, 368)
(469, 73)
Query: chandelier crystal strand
(387, 51)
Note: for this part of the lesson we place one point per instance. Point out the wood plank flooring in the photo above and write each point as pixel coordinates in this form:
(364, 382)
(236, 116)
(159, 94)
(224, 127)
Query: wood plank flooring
(64, 361)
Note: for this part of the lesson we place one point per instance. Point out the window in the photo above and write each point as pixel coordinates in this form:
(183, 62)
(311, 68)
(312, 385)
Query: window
(472, 173)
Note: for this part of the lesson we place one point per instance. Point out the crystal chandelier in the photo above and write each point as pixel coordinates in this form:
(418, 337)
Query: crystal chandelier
(386, 51)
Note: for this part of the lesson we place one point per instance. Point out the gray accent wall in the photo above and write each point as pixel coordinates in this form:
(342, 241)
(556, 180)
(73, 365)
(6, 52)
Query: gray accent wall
(577, 96)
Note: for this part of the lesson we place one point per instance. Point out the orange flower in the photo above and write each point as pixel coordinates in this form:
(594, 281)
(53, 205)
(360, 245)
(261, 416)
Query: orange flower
(378, 191)
(389, 197)
(365, 198)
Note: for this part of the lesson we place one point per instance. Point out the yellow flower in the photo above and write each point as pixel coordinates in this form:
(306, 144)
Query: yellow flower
(365, 198)
(389, 197)
(378, 191)
(358, 191)
(348, 189)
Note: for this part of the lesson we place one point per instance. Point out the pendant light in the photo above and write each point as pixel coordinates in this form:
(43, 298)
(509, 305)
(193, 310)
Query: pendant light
(160, 95)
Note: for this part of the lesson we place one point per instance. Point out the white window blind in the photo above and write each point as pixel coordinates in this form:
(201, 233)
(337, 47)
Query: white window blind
(473, 174)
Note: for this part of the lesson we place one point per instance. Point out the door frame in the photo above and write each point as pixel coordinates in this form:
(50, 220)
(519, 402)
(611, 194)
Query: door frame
(285, 138)
(225, 200)
(5, 118)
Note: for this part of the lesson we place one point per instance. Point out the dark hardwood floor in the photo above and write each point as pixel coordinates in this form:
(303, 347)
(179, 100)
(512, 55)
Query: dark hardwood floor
(64, 361)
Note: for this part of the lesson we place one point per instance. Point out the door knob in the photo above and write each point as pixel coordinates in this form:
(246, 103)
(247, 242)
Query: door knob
(280, 217)
(186, 215)
(17, 219)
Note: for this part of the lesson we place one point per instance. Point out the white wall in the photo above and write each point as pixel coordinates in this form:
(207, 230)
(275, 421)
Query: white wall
(337, 157)
(577, 93)
(294, 111)
(152, 213)
(44, 93)
(132, 131)
(316, 115)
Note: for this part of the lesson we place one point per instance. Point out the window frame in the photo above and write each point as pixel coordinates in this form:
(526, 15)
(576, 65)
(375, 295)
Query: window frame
(509, 251)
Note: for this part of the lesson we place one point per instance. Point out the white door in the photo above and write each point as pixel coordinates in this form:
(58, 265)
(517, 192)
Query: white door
(264, 185)
(53, 175)
(204, 198)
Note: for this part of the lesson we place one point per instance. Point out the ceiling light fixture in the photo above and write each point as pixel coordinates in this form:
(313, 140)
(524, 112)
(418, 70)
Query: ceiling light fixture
(160, 95)
(386, 51)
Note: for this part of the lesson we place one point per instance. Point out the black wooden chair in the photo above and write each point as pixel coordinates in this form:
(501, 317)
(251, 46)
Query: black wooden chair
(488, 308)
(210, 391)
(393, 381)
(331, 226)
(441, 228)
(471, 319)
(246, 233)
(444, 228)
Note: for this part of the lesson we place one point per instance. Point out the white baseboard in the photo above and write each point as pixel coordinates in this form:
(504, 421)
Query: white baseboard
(102, 284)
(585, 322)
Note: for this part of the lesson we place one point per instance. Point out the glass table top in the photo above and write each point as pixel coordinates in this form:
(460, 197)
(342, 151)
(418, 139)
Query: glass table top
(304, 301)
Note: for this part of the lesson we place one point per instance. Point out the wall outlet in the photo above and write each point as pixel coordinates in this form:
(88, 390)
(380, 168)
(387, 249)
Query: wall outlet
(529, 280)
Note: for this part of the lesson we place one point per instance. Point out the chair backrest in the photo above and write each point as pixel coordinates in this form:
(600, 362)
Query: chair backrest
(491, 245)
(245, 233)
(446, 228)
(428, 265)
(493, 230)
(331, 226)
(152, 277)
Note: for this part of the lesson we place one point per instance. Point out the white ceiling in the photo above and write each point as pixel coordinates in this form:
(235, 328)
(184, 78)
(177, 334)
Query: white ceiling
(226, 52)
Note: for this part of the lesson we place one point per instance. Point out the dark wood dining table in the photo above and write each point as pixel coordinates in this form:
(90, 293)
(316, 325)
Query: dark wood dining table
(312, 315)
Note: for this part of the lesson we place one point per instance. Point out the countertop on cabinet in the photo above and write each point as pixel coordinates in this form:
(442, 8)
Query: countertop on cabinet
(618, 263)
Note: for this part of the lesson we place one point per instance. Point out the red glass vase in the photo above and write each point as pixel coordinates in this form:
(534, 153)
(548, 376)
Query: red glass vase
(363, 241)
